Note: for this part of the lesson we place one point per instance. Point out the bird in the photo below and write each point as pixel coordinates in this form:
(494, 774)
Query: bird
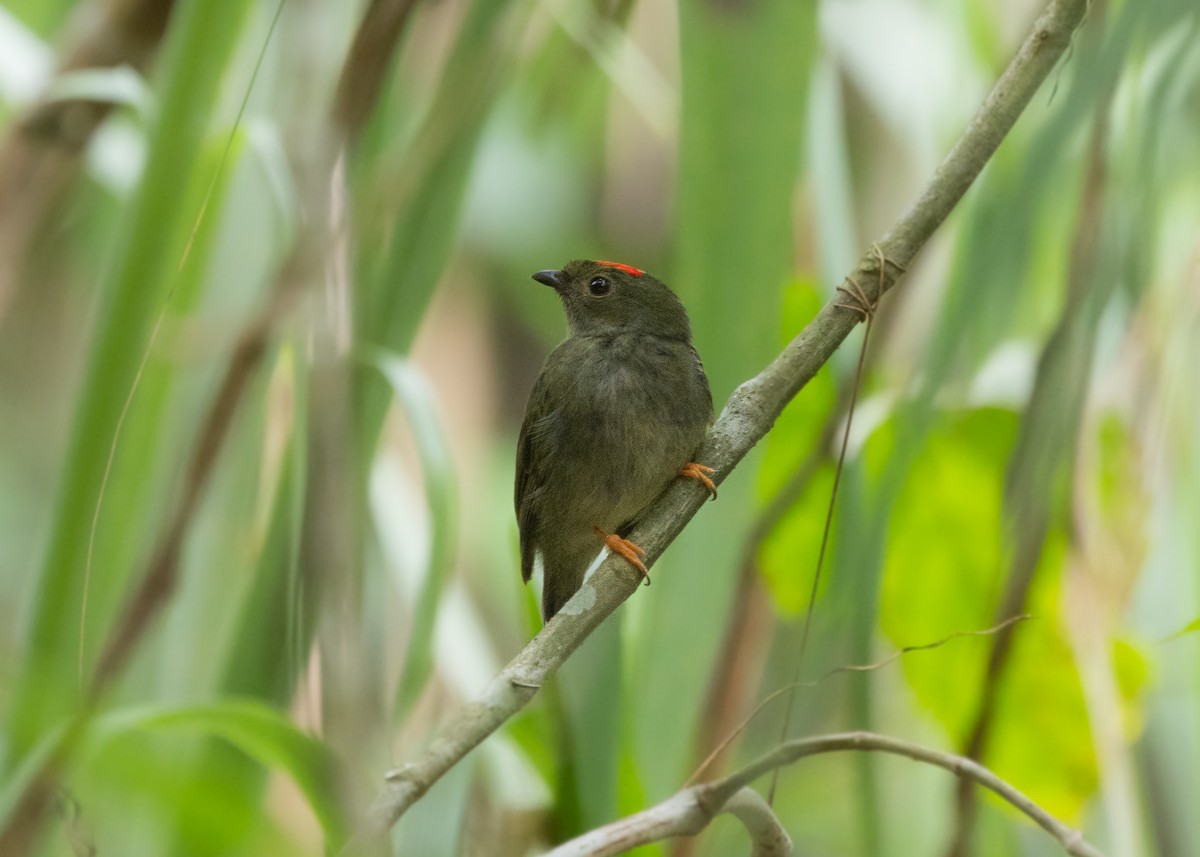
(617, 412)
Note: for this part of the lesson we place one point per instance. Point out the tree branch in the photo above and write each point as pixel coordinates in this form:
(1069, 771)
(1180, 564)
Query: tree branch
(689, 811)
(767, 836)
(684, 814)
(746, 418)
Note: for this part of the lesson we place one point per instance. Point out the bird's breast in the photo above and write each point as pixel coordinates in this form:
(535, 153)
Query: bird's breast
(637, 414)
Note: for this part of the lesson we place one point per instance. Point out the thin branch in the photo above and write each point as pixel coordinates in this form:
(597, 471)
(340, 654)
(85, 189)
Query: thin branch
(868, 311)
(857, 668)
(684, 814)
(767, 835)
(1071, 840)
(690, 810)
(746, 418)
(750, 618)
(1001, 627)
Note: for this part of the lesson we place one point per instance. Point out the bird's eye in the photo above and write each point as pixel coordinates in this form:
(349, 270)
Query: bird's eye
(599, 286)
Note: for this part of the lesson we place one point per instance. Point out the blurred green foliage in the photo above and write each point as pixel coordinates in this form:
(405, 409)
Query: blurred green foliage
(747, 152)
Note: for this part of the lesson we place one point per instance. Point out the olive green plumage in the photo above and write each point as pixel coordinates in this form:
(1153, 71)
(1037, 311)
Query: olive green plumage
(618, 408)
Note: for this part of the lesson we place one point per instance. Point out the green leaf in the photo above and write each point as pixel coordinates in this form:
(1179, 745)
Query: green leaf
(945, 568)
(745, 69)
(18, 781)
(1041, 736)
(1133, 670)
(1189, 628)
(401, 267)
(260, 732)
(944, 561)
(590, 692)
(789, 552)
(417, 402)
(154, 231)
(277, 607)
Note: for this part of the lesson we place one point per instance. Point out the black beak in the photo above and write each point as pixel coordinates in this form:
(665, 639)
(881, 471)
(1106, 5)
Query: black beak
(553, 279)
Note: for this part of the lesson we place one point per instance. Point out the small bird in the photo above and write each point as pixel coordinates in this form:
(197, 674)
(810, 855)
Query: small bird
(617, 412)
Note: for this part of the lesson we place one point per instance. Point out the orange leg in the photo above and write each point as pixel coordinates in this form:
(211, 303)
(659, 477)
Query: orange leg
(702, 472)
(632, 553)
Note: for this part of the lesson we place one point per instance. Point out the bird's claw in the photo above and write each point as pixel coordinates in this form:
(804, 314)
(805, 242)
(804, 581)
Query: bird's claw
(632, 553)
(701, 473)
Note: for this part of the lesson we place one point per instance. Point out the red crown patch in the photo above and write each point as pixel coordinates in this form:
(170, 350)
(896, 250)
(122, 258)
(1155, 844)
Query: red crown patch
(628, 269)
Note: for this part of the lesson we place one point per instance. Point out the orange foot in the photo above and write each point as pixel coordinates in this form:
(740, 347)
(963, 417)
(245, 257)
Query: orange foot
(692, 470)
(625, 548)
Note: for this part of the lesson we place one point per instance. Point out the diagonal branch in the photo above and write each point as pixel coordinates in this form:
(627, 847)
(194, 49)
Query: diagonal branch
(747, 417)
(689, 811)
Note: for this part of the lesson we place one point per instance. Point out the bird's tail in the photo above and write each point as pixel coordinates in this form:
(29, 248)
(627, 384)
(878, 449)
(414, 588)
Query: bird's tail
(558, 585)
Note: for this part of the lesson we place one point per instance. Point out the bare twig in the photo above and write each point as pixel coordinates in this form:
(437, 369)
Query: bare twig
(746, 418)
(1002, 627)
(684, 814)
(750, 618)
(892, 658)
(689, 811)
(859, 303)
(767, 835)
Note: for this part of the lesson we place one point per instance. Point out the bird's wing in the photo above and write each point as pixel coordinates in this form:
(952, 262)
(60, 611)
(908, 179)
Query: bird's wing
(530, 476)
(703, 380)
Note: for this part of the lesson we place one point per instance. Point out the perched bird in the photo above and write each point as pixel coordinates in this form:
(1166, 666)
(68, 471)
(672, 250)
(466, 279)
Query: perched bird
(616, 414)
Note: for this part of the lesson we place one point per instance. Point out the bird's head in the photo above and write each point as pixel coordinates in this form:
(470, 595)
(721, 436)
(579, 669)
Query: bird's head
(604, 297)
